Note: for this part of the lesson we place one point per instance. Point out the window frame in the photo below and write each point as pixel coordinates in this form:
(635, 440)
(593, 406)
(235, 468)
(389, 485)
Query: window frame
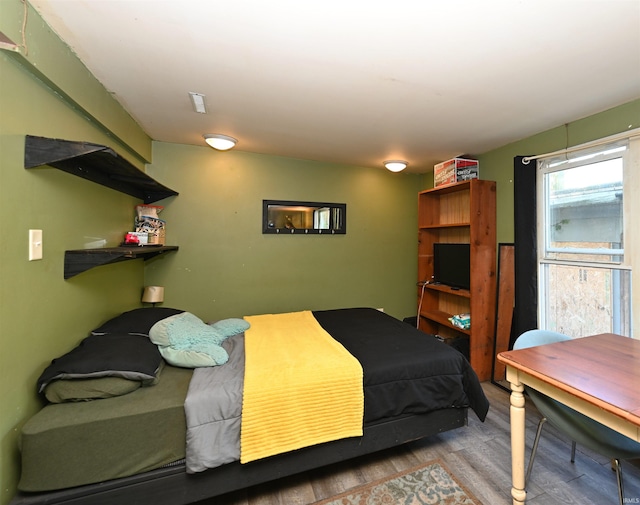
(605, 150)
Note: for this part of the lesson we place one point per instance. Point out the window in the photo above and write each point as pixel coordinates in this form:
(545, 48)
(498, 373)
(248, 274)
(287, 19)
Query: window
(584, 275)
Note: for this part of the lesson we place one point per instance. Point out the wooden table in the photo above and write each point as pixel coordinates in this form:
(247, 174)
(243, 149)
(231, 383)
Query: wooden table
(597, 375)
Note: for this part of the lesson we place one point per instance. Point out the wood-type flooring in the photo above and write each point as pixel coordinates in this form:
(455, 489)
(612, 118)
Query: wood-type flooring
(480, 457)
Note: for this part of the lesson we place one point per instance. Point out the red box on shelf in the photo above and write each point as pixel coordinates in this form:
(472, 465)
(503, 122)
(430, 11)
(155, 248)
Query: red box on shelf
(455, 170)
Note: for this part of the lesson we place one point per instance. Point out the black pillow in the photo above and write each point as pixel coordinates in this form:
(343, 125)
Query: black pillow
(136, 322)
(132, 357)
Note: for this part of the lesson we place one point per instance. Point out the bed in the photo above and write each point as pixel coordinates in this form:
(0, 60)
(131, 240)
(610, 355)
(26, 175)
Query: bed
(414, 386)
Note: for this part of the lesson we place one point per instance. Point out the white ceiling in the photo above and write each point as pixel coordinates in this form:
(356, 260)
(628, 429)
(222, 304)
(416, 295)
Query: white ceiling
(357, 81)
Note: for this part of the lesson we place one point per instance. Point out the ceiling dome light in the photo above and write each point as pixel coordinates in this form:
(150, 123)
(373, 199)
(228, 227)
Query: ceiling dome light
(219, 141)
(395, 165)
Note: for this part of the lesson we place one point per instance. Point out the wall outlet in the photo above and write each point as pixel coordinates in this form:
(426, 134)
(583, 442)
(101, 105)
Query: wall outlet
(35, 245)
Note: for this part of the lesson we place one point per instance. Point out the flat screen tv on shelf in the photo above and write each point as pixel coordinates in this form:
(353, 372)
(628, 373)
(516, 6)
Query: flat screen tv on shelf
(451, 265)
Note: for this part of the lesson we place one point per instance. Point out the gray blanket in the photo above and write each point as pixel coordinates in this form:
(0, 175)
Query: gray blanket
(213, 409)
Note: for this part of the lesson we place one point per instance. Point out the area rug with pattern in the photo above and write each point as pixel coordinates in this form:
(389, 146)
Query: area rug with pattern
(429, 484)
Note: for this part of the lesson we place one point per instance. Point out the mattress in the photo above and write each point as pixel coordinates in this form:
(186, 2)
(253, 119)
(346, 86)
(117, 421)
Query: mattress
(72, 444)
(405, 372)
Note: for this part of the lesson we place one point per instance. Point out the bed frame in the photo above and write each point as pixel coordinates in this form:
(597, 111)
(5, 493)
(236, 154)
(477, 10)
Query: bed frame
(173, 486)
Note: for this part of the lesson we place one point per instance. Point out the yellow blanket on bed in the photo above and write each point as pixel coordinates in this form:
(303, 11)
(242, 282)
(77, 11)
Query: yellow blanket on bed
(301, 387)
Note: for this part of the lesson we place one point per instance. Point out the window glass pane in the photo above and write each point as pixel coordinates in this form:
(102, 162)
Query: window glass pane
(584, 212)
(583, 300)
(582, 290)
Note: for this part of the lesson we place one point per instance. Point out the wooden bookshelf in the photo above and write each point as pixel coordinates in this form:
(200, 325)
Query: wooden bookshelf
(463, 212)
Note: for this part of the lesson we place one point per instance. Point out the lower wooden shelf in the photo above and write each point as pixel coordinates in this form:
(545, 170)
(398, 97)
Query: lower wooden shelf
(442, 318)
(80, 260)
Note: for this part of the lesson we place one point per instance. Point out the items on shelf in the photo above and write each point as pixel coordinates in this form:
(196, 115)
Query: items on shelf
(149, 228)
(134, 238)
(462, 321)
(455, 170)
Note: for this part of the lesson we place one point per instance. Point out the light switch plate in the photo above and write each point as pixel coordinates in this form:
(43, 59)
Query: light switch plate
(35, 245)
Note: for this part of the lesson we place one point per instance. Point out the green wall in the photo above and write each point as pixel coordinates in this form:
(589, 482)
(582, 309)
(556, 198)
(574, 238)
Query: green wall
(497, 164)
(226, 267)
(41, 315)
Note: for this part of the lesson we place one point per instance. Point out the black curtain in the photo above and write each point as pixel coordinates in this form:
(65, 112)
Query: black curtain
(525, 315)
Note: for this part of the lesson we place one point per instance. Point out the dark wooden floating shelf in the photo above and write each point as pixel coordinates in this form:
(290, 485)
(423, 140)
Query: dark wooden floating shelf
(96, 163)
(80, 260)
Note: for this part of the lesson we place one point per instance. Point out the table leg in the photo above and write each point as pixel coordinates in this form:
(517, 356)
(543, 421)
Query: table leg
(517, 411)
